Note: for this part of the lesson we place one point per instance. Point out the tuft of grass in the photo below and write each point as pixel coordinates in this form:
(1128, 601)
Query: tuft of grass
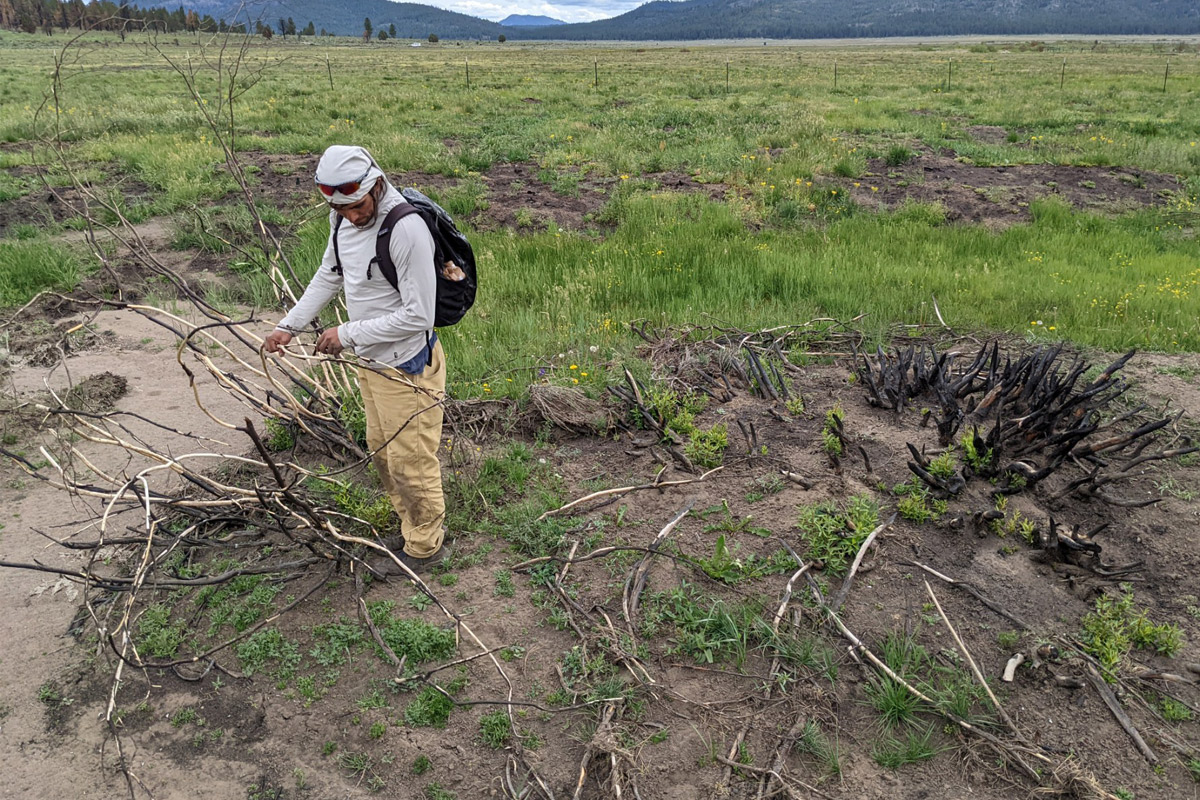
(421, 764)
(434, 791)
(1173, 711)
(764, 486)
(914, 747)
(429, 709)
(34, 266)
(727, 566)
(495, 729)
(357, 500)
(266, 647)
(898, 155)
(157, 635)
(815, 743)
(415, 639)
(504, 583)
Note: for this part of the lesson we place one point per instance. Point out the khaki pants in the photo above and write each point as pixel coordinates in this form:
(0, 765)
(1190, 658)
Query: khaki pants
(404, 431)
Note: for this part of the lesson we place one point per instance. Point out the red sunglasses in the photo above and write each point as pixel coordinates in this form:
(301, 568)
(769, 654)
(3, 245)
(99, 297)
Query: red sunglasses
(347, 188)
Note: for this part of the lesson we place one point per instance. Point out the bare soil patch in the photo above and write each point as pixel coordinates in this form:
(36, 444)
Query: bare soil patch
(1000, 196)
(231, 731)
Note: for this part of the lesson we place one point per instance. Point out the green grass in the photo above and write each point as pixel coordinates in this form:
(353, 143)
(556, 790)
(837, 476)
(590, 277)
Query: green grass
(759, 259)
(429, 709)
(911, 748)
(157, 635)
(495, 729)
(269, 648)
(762, 487)
(34, 266)
(814, 742)
(951, 688)
(412, 638)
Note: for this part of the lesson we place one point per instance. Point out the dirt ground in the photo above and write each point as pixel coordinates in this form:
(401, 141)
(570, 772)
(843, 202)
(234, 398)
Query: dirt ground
(522, 196)
(1000, 196)
(226, 734)
(269, 736)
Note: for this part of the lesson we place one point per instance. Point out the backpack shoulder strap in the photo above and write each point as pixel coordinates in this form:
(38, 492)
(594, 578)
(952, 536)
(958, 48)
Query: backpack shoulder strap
(337, 258)
(383, 242)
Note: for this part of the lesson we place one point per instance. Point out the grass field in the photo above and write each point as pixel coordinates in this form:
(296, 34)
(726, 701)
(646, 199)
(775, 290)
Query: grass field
(783, 247)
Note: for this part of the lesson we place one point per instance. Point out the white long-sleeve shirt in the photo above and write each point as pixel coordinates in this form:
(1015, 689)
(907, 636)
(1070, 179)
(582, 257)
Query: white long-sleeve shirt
(385, 325)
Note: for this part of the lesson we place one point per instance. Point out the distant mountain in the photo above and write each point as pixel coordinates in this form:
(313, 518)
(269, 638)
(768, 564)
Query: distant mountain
(345, 17)
(750, 19)
(529, 21)
(804, 19)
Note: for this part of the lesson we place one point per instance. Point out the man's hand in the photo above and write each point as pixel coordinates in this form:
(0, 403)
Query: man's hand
(276, 340)
(329, 343)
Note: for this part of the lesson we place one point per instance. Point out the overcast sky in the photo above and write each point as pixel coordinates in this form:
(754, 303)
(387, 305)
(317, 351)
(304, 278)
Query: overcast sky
(566, 10)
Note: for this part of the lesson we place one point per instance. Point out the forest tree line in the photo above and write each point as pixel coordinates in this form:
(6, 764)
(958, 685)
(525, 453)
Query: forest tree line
(49, 16)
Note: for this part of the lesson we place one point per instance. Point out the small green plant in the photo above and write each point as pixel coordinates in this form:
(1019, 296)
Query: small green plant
(917, 503)
(942, 466)
(279, 435)
(833, 535)
(267, 647)
(419, 602)
(429, 709)
(504, 583)
(495, 729)
(914, 747)
(329, 748)
(795, 406)
(1173, 711)
(815, 743)
(1115, 627)
(185, 716)
(157, 635)
(1008, 639)
(414, 638)
(763, 486)
(728, 567)
(50, 694)
(512, 653)
(1171, 487)
(421, 764)
(831, 436)
(358, 501)
(377, 730)
(978, 459)
(434, 791)
(898, 155)
(706, 448)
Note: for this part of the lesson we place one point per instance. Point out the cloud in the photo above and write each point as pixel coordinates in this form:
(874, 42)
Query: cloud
(566, 10)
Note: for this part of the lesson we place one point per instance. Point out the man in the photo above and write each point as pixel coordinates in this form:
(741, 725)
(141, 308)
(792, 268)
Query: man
(405, 379)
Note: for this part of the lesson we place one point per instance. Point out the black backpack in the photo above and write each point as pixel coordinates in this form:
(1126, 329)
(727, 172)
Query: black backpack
(453, 259)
